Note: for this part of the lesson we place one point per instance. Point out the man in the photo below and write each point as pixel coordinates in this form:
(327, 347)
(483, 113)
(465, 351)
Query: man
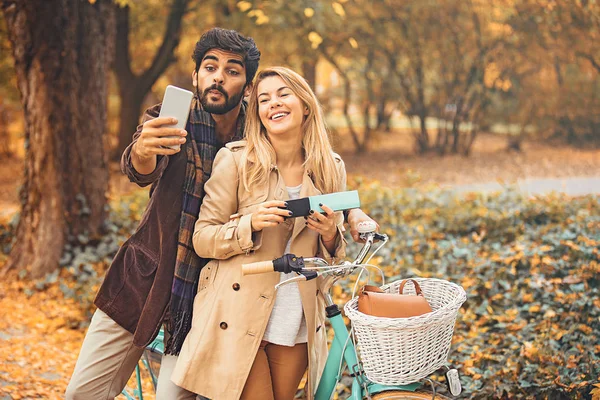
(154, 276)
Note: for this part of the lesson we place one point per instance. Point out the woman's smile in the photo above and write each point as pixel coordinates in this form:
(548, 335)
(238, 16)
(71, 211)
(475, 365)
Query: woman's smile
(279, 109)
(278, 116)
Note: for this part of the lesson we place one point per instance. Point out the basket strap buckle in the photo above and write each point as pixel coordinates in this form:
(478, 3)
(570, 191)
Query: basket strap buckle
(359, 375)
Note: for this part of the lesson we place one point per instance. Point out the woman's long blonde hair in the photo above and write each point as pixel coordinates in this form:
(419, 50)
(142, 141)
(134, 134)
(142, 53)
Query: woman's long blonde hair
(259, 155)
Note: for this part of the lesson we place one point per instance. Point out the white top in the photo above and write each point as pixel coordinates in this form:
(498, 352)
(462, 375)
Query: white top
(287, 325)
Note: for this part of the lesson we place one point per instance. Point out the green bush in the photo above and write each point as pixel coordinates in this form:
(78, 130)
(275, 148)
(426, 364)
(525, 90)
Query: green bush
(530, 267)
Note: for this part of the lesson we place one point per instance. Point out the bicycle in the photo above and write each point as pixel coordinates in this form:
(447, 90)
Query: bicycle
(343, 348)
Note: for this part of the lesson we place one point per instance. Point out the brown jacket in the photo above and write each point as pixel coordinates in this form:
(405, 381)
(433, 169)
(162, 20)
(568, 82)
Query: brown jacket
(233, 310)
(137, 287)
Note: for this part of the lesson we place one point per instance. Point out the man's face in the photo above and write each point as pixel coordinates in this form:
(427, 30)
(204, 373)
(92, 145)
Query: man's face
(220, 81)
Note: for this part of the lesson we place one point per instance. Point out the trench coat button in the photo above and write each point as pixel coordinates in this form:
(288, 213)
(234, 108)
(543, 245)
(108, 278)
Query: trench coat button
(236, 286)
(223, 325)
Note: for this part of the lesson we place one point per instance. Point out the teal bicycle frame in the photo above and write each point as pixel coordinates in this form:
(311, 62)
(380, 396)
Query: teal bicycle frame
(331, 373)
(342, 346)
(329, 378)
(157, 346)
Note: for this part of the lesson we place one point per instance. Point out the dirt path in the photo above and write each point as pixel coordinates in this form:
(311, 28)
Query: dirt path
(392, 161)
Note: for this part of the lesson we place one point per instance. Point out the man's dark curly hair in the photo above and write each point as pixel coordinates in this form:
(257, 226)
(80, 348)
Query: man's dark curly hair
(229, 40)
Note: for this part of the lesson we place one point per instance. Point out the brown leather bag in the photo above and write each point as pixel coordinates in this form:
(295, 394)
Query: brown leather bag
(374, 301)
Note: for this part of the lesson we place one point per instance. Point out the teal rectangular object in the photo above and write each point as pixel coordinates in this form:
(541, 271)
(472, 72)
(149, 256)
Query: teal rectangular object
(336, 201)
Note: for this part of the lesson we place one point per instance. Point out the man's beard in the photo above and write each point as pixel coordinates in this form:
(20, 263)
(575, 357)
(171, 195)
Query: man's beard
(219, 109)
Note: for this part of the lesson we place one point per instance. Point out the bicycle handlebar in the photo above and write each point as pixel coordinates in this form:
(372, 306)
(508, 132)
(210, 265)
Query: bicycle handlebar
(285, 263)
(290, 262)
(259, 267)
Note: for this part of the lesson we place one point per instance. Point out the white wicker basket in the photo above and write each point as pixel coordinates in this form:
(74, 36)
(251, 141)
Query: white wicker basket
(398, 351)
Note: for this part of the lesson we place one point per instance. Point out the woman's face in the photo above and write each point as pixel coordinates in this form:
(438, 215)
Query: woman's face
(280, 110)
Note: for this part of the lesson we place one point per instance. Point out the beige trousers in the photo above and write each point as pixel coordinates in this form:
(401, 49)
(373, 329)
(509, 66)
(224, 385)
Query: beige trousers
(106, 361)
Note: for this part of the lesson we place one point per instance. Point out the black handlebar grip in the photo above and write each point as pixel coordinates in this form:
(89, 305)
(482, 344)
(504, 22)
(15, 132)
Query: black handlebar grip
(288, 263)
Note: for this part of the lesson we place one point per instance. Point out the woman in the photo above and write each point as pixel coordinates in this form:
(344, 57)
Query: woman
(247, 340)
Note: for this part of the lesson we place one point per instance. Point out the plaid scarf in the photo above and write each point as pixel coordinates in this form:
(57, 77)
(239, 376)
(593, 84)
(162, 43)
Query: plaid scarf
(200, 154)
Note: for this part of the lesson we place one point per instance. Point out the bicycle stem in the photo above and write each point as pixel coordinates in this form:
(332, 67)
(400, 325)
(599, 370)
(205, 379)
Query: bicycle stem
(365, 249)
(360, 258)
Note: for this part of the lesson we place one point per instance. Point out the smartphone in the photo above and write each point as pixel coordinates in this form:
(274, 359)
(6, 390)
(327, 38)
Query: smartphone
(176, 104)
(336, 201)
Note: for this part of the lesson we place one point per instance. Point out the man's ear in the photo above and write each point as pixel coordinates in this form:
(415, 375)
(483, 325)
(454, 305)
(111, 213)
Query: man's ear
(247, 89)
(195, 78)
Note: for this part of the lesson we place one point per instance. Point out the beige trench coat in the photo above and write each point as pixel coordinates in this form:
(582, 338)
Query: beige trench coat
(231, 311)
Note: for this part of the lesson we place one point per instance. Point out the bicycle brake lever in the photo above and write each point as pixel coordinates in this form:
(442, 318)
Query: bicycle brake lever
(376, 236)
(303, 276)
(310, 275)
(379, 236)
(298, 278)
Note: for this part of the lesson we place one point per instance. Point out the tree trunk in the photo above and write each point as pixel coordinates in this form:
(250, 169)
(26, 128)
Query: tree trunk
(456, 121)
(129, 118)
(384, 117)
(133, 87)
(62, 50)
(423, 141)
(346, 100)
(309, 71)
(370, 101)
(455, 135)
(5, 151)
(345, 108)
(441, 134)
(421, 106)
(563, 121)
(470, 140)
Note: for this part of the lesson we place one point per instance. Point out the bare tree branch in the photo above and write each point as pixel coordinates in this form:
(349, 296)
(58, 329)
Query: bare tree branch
(591, 59)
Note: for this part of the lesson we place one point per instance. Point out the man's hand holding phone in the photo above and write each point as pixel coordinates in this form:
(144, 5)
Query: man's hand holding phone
(158, 137)
(163, 135)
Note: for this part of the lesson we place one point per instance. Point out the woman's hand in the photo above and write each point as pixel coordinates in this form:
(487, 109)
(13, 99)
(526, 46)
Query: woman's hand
(355, 217)
(269, 214)
(323, 224)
